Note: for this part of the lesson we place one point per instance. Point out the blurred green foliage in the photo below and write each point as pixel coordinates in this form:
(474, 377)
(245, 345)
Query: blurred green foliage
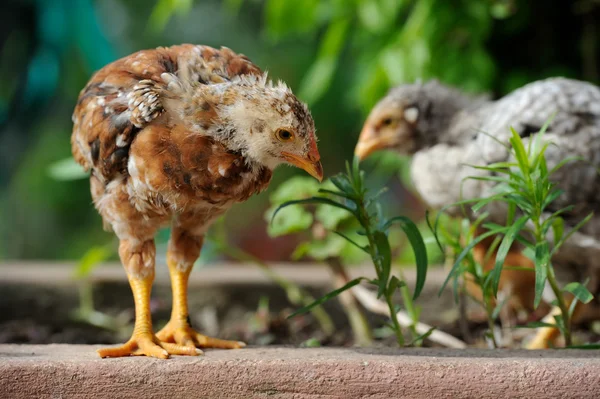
(339, 55)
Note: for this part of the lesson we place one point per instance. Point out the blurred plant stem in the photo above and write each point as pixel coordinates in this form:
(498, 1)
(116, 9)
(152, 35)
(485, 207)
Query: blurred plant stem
(358, 321)
(86, 311)
(296, 295)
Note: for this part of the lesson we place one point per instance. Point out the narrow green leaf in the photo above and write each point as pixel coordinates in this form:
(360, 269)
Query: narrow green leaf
(579, 291)
(519, 150)
(343, 184)
(584, 346)
(484, 201)
(564, 162)
(571, 232)
(434, 232)
(498, 308)
(507, 241)
(384, 259)
(418, 245)
(558, 228)
(422, 336)
(537, 324)
(312, 200)
(542, 259)
(551, 197)
(395, 283)
(512, 210)
(327, 297)
(357, 245)
(560, 323)
(336, 193)
(466, 251)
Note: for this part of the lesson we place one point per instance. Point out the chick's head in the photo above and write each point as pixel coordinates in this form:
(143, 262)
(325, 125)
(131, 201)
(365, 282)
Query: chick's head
(270, 126)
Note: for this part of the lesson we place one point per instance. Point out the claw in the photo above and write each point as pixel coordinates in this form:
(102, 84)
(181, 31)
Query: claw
(149, 345)
(182, 334)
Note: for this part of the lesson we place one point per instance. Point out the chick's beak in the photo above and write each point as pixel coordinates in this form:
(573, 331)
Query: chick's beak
(311, 163)
(370, 141)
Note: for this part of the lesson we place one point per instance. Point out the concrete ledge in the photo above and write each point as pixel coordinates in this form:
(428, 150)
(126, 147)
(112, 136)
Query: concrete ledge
(65, 371)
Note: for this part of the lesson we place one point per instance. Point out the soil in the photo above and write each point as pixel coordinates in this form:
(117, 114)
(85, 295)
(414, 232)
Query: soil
(31, 312)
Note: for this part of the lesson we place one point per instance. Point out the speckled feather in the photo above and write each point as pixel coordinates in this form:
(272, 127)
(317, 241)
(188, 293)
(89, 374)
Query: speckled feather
(155, 153)
(454, 132)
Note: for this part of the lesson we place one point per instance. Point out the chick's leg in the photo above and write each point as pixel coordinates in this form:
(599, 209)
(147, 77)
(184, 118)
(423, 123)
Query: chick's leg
(139, 264)
(183, 251)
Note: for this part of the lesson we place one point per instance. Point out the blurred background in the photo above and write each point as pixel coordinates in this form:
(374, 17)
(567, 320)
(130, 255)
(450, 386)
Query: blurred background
(340, 56)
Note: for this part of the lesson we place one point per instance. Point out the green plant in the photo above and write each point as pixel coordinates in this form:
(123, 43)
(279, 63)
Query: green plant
(296, 295)
(351, 195)
(524, 184)
(86, 311)
(314, 228)
(455, 235)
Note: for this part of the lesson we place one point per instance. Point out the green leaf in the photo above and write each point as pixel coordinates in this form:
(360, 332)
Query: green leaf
(343, 184)
(480, 203)
(336, 193)
(92, 258)
(520, 153)
(361, 247)
(312, 200)
(564, 162)
(507, 241)
(579, 291)
(583, 346)
(558, 228)
(327, 297)
(384, 259)
(422, 336)
(571, 232)
(434, 232)
(560, 323)
(537, 324)
(395, 283)
(466, 251)
(418, 245)
(542, 259)
(551, 197)
(67, 169)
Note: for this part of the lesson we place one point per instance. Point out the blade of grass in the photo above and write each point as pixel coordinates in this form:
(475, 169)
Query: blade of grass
(507, 241)
(418, 246)
(327, 297)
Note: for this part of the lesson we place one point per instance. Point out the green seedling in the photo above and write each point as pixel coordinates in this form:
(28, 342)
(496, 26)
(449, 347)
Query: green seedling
(351, 196)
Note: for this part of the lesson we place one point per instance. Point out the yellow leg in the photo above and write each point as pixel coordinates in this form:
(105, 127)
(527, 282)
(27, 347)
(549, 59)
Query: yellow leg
(142, 341)
(178, 330)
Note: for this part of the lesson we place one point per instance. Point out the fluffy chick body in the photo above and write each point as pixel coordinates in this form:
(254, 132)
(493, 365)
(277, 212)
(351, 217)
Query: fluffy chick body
(181, 134)
(176, 136)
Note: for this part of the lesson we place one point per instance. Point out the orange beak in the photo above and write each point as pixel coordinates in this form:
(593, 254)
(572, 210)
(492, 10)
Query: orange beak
(310, 164)
(369, 141)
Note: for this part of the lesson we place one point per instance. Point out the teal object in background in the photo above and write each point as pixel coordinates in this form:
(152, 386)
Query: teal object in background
(60, 25)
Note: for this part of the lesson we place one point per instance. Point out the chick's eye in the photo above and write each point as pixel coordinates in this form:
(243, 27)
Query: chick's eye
(386, 122)
(285, 135)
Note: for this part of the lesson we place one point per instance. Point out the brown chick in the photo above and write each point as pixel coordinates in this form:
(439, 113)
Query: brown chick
(177, 136)
(446, 131)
